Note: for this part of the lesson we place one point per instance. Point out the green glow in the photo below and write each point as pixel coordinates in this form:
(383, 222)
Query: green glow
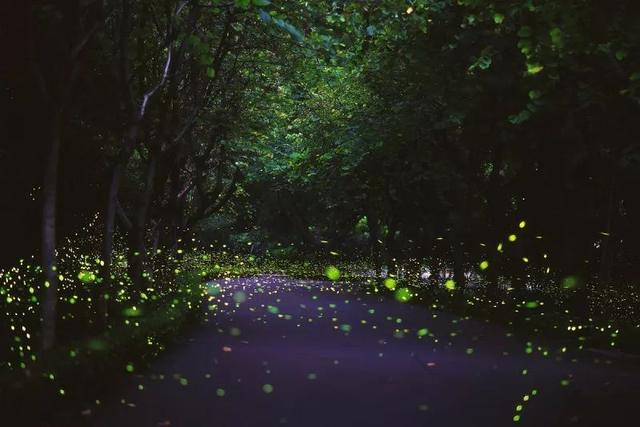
(239, 297)
(97, 345)
(403, 295)
(132, 312)
(87, 276)
(390, 283)
(570, 282)
(332, 273)
(213, 289)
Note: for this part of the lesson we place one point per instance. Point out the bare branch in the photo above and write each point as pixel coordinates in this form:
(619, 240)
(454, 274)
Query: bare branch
(147, 96)
(231, 188)
(165, 72)
(186, 189)
(82, 43)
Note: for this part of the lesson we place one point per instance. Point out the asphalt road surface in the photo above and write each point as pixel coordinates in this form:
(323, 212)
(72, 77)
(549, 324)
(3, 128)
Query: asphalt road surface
(276, 351)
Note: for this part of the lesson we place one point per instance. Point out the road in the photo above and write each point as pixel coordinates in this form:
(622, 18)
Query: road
(282, 352)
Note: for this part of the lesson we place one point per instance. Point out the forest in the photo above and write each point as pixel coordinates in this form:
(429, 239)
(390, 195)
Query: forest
(447, 182)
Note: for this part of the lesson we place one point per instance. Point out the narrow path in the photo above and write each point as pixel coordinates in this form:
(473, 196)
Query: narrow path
(284, 352)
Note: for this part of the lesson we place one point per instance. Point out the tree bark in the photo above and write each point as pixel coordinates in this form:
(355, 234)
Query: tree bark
(136, 114)
(608, 244)
(111, 207)
(457, 249)
(138, 250)
(374, 240)
(49, 259)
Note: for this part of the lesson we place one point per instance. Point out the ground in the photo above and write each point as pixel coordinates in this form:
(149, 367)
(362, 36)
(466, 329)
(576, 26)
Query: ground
(282, 352)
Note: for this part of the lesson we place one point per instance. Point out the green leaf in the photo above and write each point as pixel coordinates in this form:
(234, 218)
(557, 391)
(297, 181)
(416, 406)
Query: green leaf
(211, 72)
(525, 46)
(362, 226)
(243, 3)
(525, 32)
(557, 38)
(484, 63)
(519, 118)
(193, 40)
(261, 3)
(498, 18)
(621, 55)
(295, 33)
(534, 68)
(264, 16)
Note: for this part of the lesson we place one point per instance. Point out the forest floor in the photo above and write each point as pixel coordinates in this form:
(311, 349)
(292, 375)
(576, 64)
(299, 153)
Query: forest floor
(279, 351)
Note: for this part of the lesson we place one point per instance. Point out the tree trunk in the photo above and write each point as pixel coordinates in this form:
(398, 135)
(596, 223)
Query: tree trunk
(107, 244)
(458, 265)
(138, 233)
(155, 237)
(374, 241)
(110, 222)
(494, 207)
(49, 195)
(112, 201)
(607, 248)
(458, 251)
(434, 270)
(390, 254)
(176, 207)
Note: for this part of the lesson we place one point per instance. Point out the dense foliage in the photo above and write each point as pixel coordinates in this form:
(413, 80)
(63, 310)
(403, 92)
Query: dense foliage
(457, 140)
(439, 129)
